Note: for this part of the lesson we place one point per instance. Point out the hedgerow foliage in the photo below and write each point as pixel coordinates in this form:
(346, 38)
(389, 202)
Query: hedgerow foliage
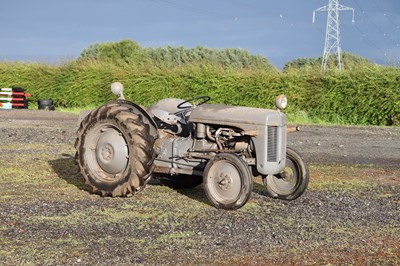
(129, 52)
(349, 61)
(367, 95)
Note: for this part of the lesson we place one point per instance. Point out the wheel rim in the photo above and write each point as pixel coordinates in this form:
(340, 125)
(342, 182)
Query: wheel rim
(224, 182)
(108, 154)
(287, 181)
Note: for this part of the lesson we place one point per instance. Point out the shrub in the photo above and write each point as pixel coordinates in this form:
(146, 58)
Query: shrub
(366, 95)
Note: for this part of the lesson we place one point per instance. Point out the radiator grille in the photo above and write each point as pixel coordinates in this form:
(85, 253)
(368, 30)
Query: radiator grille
(272, 144)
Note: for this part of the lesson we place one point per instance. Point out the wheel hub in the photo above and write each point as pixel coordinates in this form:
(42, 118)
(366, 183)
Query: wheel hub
(107, 152)
(224, 181)
(288, 175)
(112, 151)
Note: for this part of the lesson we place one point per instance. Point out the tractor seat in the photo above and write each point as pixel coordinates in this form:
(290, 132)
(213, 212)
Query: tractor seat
(166, 110)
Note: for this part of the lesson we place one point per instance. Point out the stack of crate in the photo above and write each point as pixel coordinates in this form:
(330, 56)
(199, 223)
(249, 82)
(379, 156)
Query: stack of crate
(13, 98)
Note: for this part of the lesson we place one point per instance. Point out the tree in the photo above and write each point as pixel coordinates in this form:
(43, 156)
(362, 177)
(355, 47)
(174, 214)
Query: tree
(350, 61)
(130, 52)
(124, 51)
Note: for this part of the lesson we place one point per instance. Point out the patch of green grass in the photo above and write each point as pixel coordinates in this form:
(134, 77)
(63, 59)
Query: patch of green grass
(351, 179)
(145, 215)
(76, 218)
(32, 173)
(44, 251)
(303, 117)
(347, 185)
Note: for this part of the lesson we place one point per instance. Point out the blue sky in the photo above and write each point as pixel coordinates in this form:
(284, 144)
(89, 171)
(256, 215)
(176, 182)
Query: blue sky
(55, 30)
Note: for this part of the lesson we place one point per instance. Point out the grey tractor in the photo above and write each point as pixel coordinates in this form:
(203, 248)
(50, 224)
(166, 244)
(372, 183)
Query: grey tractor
(120, 146)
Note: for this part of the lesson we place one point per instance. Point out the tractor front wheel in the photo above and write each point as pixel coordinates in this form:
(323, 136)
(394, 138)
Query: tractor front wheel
(227, 181)
(292, 181)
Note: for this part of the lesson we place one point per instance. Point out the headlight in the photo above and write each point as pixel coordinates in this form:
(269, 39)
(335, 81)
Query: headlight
(281, 102)
(118, 89)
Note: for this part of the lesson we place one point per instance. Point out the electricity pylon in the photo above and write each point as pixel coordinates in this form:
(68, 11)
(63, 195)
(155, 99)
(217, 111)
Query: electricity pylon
(332, 36)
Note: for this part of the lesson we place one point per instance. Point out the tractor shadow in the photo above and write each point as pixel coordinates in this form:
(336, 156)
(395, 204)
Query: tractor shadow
(193, 191)
(197, 192)
(259, 188)
(66, 169)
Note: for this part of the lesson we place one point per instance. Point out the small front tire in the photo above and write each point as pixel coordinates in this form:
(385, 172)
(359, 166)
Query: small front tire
(227, 181)
(292, 181)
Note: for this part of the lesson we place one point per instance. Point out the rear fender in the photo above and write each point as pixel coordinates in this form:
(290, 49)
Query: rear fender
(133, 107)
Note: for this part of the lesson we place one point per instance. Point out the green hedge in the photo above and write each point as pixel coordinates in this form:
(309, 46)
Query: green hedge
(365, 96)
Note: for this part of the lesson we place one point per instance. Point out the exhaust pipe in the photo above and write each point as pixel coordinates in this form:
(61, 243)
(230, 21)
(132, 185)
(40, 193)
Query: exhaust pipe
(292, 129)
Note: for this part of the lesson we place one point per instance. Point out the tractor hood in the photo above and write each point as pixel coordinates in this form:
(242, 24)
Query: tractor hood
(245, 118)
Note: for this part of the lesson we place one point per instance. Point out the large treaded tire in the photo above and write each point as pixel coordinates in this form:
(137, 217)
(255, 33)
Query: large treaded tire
(114, 150)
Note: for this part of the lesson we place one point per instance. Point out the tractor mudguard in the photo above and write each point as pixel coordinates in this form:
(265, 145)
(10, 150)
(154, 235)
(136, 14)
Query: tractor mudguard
(133, 107)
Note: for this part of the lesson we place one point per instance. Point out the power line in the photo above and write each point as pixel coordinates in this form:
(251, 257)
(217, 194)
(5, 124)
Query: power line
(282, 16)
(385, 15)
(247, 5)
(191, 9)
(383, 33)
(365, 36)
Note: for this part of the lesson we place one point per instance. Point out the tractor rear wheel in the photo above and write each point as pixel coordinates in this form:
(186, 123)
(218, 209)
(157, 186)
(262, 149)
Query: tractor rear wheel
(115, 150)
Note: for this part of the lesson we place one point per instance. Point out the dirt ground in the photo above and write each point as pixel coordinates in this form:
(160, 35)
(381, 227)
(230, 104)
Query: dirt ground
(350, 213)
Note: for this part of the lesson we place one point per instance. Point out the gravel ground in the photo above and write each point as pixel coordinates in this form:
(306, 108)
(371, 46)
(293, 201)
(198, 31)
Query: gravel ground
(378, 146)
(349, 215)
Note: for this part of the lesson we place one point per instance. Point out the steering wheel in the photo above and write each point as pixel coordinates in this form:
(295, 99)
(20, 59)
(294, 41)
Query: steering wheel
(201, 100)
